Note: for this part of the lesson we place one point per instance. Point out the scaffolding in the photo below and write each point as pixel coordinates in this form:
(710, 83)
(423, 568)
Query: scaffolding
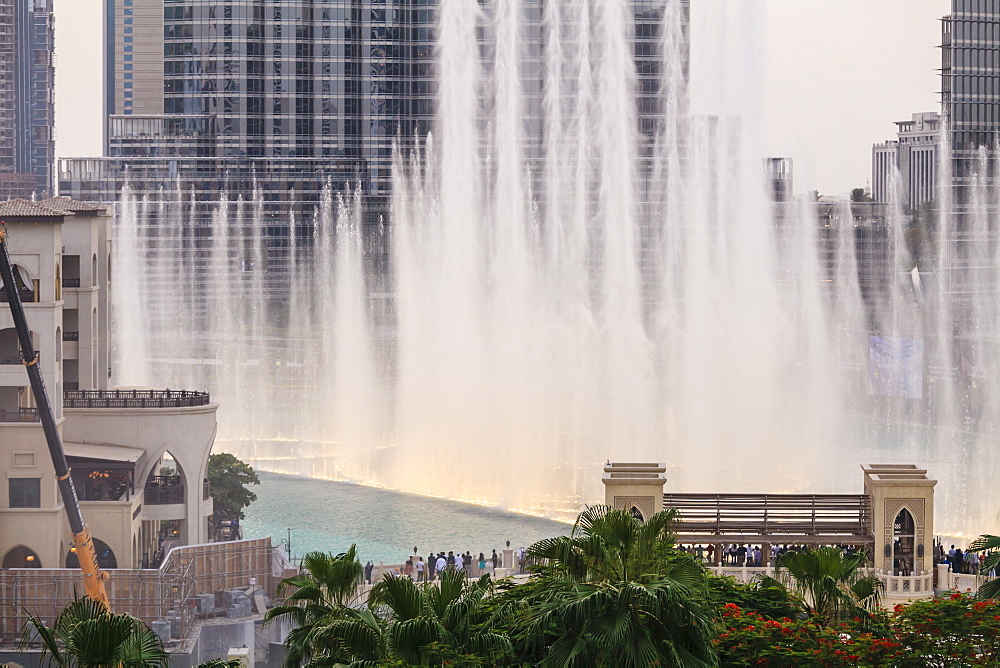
(168, 593)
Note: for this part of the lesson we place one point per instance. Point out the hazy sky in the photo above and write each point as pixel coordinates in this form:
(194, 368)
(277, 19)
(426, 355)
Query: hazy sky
(833, 75)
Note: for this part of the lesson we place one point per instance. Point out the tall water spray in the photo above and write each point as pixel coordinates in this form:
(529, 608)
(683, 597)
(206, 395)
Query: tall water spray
(607, 290)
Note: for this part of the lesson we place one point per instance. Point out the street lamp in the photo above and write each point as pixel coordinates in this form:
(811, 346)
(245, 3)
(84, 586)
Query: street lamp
(287, 542)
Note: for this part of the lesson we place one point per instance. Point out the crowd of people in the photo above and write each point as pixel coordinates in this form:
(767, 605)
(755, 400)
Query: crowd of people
(745, 555)
(966, 562)
(429, 569)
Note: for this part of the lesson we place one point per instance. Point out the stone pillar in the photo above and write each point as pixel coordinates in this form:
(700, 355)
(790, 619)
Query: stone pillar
(893, 489)
(634, 486)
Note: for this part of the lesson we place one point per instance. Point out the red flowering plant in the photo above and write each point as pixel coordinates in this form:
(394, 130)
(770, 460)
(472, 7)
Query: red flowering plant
(955, 630)
(748, 639)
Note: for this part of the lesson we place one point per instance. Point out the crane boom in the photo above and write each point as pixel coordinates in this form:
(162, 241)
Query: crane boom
(93, 576)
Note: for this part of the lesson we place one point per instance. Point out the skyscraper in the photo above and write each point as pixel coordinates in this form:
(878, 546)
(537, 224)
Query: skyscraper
(27, 142)
(970, 103)
(286, 96)
(970, 85)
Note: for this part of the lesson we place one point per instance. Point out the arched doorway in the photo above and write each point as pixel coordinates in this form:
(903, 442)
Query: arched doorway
(903, 534)
(21, 557)
(105, 556)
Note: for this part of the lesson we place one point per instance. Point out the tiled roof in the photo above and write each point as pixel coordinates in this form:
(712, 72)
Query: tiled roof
(22, 208)
(70, 204)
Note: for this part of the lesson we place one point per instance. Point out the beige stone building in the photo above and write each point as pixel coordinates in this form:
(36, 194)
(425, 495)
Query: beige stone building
(138, 456)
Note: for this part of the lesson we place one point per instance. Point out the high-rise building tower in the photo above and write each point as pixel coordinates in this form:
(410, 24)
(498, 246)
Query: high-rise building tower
(970, 85)
(915, 154)
(27, 141)
(284, 96)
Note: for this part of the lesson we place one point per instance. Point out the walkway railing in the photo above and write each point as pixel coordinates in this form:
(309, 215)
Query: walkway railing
(134, 398)
(27, 296)
(163, 490)
(21, 415)
(772, 518)
(907, 585)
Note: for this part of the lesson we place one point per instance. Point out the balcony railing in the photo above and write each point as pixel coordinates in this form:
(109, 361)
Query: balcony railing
(71, 282)
(164, 489)
(71, 336)
(20, 415)
(10, 359)
(134, 398)
(27, 296)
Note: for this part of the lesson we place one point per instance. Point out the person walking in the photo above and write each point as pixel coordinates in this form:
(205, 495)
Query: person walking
(441, 564)
(467, 563)
(420, 569)
(958, 562)
(494, 559)
(368, 572)
(481, 564)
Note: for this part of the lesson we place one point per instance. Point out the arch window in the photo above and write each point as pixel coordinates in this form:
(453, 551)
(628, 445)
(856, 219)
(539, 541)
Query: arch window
(903, 538)
(26, 287)
(105, 556)
(637, 514)
(21, 557)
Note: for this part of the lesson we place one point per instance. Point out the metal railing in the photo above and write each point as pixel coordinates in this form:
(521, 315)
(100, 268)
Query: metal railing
(10, 359)
(71, 336)
(27, 296)
(164, 489)
(20, 415)
(134, 398)
(71, 282)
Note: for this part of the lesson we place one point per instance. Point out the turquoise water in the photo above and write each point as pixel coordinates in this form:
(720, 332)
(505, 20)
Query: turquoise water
(386, 525)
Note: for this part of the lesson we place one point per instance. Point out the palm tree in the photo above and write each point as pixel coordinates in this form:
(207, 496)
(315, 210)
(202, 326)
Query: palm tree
(991, 546)
(417, 624)
(617, 592)
(88, 635)
(828, 583)
(325, 590)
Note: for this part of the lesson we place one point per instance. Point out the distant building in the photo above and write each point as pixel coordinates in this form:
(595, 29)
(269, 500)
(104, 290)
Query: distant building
(27, 111)
(915, 154)
(117, 442)
(970, 85)
(779, 178)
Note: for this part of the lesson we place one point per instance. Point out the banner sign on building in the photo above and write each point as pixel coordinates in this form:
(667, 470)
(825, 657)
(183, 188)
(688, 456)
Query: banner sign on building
(896, 367)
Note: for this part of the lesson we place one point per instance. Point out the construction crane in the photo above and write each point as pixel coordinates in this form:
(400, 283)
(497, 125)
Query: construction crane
(93, 576)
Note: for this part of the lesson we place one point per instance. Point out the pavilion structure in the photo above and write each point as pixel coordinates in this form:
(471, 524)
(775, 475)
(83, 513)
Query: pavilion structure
(893, 518)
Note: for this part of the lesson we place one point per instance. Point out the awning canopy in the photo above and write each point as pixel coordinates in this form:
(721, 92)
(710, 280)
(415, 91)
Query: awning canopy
(103, 451)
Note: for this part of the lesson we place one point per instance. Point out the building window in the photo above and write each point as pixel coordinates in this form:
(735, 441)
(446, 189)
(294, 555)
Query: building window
(25, 492)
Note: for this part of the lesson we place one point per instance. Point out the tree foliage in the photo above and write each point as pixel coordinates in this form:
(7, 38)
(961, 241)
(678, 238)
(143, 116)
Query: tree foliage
(324, 591)
(618, 593)
(228, 478)
(991, 564)
(828, 583)
(87, 635)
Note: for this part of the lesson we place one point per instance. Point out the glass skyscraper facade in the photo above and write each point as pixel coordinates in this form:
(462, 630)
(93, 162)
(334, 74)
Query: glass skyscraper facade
(277, 99)
(27, 114)
(219, 95)
(970, 83)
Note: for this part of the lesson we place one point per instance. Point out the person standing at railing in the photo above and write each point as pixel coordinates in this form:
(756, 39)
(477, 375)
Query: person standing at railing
(421, 572)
